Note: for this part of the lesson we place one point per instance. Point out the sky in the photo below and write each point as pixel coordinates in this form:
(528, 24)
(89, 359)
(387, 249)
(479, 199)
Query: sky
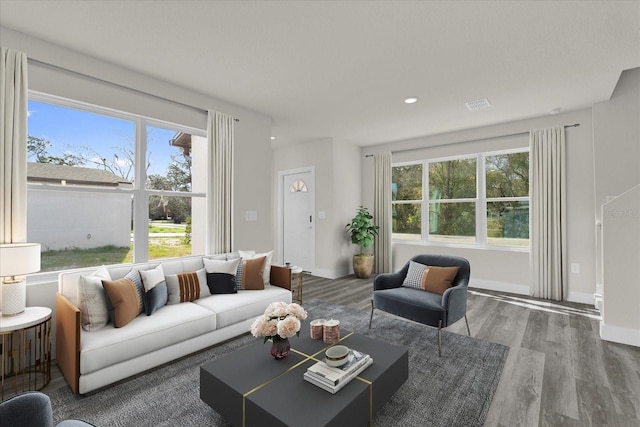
(69, 130)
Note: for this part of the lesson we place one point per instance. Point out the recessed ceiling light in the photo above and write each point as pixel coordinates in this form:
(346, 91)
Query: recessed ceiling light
(411, 100)
(273, 137)
(477, 104)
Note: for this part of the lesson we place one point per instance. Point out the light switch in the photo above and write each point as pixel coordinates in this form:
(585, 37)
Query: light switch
(575, 267)
(251, 215)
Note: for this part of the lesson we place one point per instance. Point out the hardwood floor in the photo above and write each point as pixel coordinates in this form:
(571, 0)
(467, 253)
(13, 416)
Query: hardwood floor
(558, 372)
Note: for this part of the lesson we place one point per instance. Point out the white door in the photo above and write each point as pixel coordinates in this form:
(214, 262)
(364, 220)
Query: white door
(298, 221)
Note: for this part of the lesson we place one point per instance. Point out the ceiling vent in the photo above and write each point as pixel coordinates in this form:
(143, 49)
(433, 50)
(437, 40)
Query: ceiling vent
(477, 104)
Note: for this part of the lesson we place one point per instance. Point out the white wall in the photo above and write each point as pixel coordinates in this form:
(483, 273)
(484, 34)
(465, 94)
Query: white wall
(501, 269)
(616, 129)
(78, 219)
(337, 170)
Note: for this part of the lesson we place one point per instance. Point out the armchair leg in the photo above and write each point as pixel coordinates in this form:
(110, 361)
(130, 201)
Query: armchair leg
(467, 322)
(371, 316)
(439, 338)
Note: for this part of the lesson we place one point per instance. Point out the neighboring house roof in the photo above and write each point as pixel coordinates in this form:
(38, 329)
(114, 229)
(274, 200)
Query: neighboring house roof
(47, 172)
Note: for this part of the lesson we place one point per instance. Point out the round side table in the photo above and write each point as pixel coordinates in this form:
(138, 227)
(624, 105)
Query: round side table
(25, 351)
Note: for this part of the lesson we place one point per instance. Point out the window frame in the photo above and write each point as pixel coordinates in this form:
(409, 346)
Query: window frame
(480, 201)
(140, 194)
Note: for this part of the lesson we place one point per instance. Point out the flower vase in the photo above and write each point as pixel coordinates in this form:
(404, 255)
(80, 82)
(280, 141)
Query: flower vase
(280, 347)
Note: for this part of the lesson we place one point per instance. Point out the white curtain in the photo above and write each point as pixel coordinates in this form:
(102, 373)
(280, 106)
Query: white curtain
(548, 214)
(13, 146)
(382, 211)
(220, 183)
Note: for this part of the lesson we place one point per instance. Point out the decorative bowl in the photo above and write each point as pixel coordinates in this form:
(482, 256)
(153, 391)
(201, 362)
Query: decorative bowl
(337, 355)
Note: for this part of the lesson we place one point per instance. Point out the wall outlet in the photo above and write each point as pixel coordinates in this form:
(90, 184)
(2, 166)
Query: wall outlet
(575, 267)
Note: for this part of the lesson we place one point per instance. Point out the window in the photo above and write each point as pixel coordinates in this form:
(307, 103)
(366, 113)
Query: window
(406, 196)
(452, 201)
(108, 187)
(507, 198)
(479, 200)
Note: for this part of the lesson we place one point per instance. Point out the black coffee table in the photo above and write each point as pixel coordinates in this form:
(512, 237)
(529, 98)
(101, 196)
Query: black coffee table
(251, 388)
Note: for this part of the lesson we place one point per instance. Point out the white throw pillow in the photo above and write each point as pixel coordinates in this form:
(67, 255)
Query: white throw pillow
(218, 266)
(247, 254)
(92, 300)
(150, 278)
(173, 286)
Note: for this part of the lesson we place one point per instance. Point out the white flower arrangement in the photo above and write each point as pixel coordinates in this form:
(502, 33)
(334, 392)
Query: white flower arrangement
(279, 321)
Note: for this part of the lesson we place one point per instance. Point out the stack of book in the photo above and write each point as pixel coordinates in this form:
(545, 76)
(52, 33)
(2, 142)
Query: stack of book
(333, 379)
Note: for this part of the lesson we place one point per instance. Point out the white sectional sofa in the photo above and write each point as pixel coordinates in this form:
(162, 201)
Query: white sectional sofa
(90, 360)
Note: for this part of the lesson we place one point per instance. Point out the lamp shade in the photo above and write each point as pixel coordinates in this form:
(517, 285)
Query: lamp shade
(18, 259)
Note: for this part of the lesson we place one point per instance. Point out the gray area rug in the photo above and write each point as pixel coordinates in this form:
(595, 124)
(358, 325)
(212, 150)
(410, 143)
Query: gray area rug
(453, 390)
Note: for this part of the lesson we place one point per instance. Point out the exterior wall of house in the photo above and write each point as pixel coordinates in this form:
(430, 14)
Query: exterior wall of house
(70, 222)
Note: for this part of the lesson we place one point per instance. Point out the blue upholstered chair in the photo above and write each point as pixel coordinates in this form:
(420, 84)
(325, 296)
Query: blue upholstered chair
(32, 409)
(421, 306)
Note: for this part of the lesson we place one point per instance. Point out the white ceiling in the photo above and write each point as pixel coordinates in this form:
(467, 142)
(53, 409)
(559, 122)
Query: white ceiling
(342, 69)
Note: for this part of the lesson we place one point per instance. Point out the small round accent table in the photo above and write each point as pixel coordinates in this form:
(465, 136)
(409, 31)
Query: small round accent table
(25, 351)
(296, 278)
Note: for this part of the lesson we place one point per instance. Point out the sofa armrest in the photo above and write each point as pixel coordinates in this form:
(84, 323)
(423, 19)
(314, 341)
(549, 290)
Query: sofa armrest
(280, 276)
(68, 340)
(454, 300)
(387, 281)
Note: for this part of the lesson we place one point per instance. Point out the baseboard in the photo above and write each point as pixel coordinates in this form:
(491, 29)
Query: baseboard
(492, 285)
(582, 298)
(620, 335)
(329, 274)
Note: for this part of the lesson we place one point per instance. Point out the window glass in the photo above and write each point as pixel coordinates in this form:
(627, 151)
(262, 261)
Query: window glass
(452, 179)
(407, 221)
(508, 223)
(170, 226)
(452, 222)
(69, 148)
(407, 182)
(507, 175)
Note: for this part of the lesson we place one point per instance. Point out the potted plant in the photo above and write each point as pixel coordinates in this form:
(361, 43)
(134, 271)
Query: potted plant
(362, 232)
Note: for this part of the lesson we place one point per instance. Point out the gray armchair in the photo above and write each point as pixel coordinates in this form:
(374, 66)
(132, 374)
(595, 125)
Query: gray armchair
(31, 409)
(422, 306)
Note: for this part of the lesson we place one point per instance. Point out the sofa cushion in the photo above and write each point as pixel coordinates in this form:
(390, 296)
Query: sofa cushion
(438, 279)
(155, 298)
(152, 277)
(414, 275)
(134, 276)
(410, 303)
(266, 274)
(169, 325)
(183, 287)
(92, 300)
(253, 269)
(221, 283)
(123, 301)
(245, 305)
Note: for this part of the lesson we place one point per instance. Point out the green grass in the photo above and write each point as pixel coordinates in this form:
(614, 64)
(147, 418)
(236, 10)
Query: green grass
(77, 258)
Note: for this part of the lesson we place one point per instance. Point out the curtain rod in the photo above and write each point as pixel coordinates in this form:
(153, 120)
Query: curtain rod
(86, 76)
(575, 125)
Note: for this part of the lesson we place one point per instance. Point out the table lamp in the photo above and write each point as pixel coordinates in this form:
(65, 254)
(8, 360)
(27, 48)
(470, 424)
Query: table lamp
(16, 259)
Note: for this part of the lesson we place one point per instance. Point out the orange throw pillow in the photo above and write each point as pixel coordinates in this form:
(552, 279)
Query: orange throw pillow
(438, 279)
(252, 273)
